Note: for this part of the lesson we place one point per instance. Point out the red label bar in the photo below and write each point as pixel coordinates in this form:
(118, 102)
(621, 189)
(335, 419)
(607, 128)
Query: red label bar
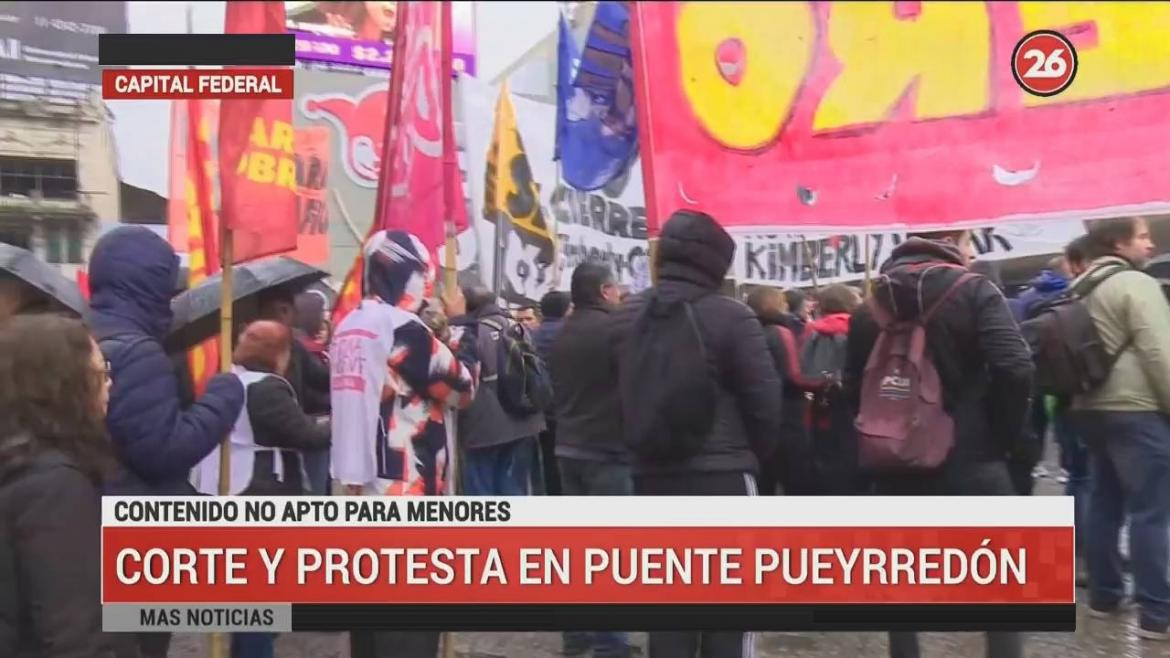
(221, 84)
(588, 565)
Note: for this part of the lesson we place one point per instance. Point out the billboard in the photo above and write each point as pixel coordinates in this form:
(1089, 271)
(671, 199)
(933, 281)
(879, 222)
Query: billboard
(362, 33)
(42, 41)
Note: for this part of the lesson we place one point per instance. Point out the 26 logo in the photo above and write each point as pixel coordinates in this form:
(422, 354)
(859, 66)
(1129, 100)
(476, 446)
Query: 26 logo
(1044, 63)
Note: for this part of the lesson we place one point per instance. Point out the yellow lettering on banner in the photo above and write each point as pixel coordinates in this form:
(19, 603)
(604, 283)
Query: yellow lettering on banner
(777, 40)
(1132, 52)
(267, 168)
(259, 138)
(282, 136)
(261, 167)
(944, 52)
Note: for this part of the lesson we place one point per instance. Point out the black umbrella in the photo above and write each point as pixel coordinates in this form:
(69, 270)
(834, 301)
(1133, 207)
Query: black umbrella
(197, 310)
(1159, 267)
(42, 278)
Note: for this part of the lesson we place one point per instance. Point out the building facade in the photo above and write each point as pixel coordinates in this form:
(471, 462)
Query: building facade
(58, 177)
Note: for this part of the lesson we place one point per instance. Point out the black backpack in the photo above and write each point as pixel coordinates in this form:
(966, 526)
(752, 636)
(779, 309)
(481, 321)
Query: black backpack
(823, 356)
(667, 387)
(1070, 356)
(523, 385)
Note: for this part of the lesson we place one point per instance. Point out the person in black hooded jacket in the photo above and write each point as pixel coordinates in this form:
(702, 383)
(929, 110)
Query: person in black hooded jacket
(792, 467)
(986, 372)
(694, 254)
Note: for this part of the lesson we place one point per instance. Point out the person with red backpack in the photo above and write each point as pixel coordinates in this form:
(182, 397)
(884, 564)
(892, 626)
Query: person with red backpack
(942, 379)
(822, 359)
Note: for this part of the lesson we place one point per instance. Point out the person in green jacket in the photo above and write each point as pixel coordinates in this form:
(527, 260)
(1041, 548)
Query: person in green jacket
(1126, 425)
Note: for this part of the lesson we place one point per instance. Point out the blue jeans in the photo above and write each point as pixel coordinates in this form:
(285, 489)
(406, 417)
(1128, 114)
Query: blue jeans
(1074, 459)
(317, 464)
(1130, 460)
(580, 477)
(503, 470)
(253, 645)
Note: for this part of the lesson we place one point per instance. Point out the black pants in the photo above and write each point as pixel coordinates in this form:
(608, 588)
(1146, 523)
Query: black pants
(154, 645)
(394, 644)
(548, 459)
(697, 644)
(987, 479)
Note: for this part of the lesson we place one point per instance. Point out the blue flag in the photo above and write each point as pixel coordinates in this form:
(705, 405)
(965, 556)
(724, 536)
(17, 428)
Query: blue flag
(597, 128)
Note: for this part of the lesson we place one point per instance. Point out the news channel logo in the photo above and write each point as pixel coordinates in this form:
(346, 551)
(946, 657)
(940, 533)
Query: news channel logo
(1044, 63)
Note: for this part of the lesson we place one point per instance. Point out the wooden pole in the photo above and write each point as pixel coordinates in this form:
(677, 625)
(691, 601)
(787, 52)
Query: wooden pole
(219, 648)
(868, 268)
(812, 268)
(452, 195)
(653, 255)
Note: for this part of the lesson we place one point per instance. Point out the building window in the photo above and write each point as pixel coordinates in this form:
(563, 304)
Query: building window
(62, 243)
(30, 177)
(16, 236)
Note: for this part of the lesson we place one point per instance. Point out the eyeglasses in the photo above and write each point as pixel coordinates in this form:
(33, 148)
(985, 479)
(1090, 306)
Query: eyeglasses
(107, 372)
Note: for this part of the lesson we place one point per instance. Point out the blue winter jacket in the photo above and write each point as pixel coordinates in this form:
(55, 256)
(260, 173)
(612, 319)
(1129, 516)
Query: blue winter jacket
(1045, 286)
(132, 275)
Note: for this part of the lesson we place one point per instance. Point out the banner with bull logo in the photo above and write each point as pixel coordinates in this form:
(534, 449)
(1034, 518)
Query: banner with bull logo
(892, 114)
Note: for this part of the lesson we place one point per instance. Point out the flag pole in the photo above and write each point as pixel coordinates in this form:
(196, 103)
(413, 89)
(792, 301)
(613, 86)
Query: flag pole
(450, 166)
(452, 194)
(868, 267)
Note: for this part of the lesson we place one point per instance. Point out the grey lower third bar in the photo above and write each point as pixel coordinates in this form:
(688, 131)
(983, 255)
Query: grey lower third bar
(188, 618)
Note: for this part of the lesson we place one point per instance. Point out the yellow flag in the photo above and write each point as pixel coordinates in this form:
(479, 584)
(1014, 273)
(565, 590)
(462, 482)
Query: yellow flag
(509, 186)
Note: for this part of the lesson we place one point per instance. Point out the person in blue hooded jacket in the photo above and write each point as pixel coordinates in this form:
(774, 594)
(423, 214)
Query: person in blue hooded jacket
(132, 274)
(1046, 286)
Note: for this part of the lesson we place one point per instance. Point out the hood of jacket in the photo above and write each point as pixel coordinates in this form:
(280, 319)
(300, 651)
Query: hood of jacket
(1048, 282)
(836, 324)
(132, 275)
(693, 249)
(399, 270)
(898, 289)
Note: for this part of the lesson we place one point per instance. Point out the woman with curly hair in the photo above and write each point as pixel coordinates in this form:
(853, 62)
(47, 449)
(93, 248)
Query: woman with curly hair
(54, 452)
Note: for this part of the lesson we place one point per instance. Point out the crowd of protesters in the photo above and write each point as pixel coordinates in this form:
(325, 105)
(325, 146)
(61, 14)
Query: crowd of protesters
(676, 390)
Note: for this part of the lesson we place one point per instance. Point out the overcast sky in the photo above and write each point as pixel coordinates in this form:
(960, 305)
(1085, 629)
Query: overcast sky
(504, 31)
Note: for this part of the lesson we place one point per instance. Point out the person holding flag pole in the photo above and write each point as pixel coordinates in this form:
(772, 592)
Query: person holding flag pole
(392, 419)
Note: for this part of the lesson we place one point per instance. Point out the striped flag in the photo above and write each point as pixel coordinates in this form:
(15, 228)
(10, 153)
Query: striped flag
(192, 223)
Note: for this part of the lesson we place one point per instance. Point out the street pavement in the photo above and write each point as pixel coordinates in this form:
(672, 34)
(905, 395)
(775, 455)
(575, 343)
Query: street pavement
(1113, 638)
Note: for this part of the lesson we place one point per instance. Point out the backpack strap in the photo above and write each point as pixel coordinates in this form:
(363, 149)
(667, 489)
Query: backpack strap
(942, 299)
(1089, 282)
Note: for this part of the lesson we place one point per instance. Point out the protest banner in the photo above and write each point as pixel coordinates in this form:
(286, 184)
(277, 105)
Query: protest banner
(258, 183)
(839, 115)
(791, 259)
(311, 150)
(607, 225)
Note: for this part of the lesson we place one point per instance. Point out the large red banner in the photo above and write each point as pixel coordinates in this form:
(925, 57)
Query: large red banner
(892, 114)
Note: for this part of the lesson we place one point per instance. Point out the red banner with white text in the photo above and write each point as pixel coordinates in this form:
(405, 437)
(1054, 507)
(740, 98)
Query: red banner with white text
(839, 115)
(491, 562)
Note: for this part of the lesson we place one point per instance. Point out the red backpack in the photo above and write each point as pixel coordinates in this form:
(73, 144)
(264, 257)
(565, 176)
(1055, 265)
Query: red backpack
(902, 424)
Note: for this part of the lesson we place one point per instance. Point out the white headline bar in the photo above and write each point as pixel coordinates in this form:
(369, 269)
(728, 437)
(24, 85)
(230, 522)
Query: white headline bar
(595, 511)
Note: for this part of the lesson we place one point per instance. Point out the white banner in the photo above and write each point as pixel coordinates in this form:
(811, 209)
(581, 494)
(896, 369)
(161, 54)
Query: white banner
(789, 259)
(607, 225)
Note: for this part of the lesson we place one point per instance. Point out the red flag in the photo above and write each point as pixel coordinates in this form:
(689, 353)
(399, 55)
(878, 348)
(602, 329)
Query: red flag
(258, 178)
(191, 215)
(83, 283)
(418, 188)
